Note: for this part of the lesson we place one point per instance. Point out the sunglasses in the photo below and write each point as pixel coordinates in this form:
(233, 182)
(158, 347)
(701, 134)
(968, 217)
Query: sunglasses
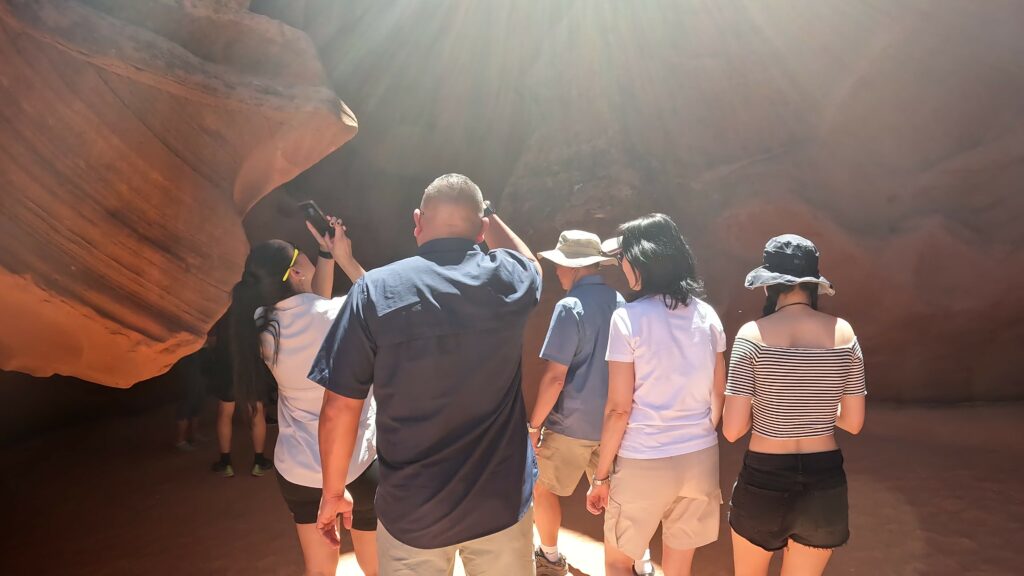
(295, 257)
(620, 257)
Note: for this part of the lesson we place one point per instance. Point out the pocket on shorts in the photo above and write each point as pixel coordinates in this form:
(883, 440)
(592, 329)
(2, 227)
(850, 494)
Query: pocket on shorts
(758, 508)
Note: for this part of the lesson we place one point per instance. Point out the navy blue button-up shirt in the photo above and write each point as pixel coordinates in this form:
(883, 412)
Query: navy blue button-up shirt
(439, 336)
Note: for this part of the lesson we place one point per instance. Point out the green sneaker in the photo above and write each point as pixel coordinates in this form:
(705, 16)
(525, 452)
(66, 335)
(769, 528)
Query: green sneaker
(546, 567)
(223, 469)
(261, 467)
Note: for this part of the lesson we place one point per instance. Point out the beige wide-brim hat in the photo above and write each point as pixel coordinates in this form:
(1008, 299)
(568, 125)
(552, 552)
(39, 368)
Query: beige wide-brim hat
(577, 249)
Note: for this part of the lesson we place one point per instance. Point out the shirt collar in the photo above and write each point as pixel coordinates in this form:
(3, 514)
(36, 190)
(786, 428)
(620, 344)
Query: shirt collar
(447, 245)
(591, 279)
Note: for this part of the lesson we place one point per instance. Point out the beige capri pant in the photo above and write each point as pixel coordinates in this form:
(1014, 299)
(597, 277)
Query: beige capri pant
(680, 492)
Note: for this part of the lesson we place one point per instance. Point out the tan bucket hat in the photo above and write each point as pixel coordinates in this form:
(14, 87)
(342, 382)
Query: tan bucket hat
(577, 249)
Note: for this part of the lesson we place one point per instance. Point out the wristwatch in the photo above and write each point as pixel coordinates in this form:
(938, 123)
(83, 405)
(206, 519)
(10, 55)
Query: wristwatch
(600, 481)
(489, 209)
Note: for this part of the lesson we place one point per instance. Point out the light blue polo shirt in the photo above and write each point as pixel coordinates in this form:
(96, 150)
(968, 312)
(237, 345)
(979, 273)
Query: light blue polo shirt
(578, 338)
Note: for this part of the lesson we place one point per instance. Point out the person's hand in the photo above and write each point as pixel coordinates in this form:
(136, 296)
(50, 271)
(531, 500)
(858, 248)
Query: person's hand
(327, 520)
(338, 243)
(597, 499)
(535, 438)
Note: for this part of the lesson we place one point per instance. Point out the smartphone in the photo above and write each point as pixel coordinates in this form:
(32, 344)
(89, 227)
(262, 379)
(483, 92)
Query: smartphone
(316, 217)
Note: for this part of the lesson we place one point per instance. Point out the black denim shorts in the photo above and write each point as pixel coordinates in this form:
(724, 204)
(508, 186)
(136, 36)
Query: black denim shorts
(802, 497)
(304, 501)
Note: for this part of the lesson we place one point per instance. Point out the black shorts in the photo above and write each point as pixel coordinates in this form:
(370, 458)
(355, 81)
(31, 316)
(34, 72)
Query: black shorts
(304, 501)
(802, 497)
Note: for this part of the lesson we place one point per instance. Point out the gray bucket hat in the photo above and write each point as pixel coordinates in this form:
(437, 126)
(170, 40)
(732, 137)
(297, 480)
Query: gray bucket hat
(577, 249)
(789, 259)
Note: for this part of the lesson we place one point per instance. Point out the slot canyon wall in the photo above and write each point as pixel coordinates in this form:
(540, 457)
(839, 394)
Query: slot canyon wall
(136, 134)
(890, 133)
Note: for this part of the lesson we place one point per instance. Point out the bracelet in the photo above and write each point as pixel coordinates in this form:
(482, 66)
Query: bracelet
(325, 254)
(600, 481)
(530, 428)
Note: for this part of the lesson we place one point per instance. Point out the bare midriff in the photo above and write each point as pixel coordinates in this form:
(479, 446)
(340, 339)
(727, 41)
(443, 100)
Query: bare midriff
(767, 445)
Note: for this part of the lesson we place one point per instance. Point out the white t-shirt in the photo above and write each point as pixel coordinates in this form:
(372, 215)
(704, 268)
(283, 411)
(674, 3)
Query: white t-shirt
(673, 354)
(303, 321)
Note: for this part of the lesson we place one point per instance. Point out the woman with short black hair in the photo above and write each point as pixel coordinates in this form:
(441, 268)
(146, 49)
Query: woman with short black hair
(666, 378)
(794, 376)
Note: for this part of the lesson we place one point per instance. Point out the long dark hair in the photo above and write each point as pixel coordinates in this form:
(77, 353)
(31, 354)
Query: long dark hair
(776, 290)
(261, 286)
(661, 259)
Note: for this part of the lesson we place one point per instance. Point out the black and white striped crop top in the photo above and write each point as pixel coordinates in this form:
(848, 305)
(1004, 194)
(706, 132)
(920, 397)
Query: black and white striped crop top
(795, 391)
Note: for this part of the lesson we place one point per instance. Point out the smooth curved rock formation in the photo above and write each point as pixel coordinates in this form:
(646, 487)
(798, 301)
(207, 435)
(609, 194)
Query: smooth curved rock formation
(134, 135)
(891, 133)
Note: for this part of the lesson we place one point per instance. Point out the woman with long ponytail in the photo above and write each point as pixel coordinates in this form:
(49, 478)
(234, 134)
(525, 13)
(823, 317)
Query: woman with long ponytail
(281, 311)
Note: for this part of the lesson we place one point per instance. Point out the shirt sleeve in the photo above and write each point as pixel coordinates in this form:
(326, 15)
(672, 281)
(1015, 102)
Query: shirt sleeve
(718, 337)
(526, 272)
(741, 380)
(345, 362)
(855, 381)
(621, 344)
(563, 337)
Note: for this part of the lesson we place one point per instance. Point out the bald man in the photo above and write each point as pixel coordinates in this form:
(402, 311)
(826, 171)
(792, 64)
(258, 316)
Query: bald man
(439, 338)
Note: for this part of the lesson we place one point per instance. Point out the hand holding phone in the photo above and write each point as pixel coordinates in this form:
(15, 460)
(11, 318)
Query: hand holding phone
(316, 217)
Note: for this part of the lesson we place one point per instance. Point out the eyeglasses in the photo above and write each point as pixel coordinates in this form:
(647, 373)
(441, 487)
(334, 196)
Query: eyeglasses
(295, 257)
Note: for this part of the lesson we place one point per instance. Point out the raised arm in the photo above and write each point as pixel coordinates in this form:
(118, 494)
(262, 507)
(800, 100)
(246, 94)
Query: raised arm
(339, 246)
(497, 234)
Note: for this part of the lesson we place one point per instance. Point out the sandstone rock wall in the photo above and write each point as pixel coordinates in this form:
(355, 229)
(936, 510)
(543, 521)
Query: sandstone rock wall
(134, 135)
(891, 133)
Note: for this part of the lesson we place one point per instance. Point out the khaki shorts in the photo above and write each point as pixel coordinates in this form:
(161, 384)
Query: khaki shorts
(680, 492)
(506, 553)
(561, 460)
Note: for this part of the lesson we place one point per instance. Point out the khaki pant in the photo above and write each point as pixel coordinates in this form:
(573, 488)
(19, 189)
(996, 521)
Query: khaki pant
(561, 460)
(680, 492)
(506, 553)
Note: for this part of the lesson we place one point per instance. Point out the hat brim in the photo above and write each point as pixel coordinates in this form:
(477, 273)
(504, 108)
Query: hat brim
(760, 276)
(562, 260)
(611, 246)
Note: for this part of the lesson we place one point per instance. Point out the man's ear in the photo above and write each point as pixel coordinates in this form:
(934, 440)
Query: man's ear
(417, 218)
(484, 223)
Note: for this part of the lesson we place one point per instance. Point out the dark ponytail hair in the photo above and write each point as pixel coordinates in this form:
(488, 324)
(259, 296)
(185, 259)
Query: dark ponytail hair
(776, 290)
(261, 286)
(662, 260)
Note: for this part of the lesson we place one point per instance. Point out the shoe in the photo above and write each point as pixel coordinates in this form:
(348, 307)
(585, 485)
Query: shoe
(259, 468)
(184, 446)
(223, 469)
(546, 567)
(648, 568)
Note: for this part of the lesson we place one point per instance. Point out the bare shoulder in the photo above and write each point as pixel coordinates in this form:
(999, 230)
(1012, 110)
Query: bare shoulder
(751, 331)
(844, 333)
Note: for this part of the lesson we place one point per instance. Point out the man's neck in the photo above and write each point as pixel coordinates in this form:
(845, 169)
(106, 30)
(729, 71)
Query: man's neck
(423, 239)
(583, 274)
